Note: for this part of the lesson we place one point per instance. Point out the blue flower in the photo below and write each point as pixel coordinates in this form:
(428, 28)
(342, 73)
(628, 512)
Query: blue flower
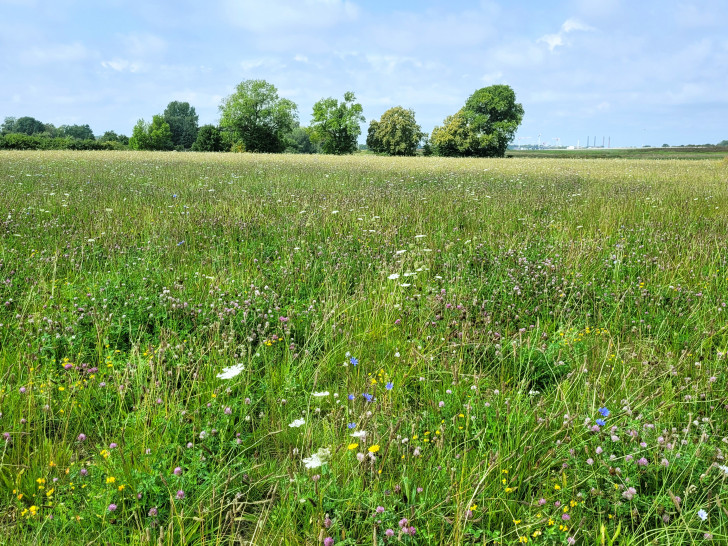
(351, 397)
(351, 425)
(353, 361)
(600, 422)
(174, 195)
(605, 412)
(389, 386)
(367, 396)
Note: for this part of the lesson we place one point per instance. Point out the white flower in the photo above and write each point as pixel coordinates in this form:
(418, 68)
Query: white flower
(405, 284)
(320, 394)
(393, 276)
(232, 371)
(400, 252)
(724, 468)
(702, 514)
(297, 423)
(419, 236)
(361, 434)
(317, 459)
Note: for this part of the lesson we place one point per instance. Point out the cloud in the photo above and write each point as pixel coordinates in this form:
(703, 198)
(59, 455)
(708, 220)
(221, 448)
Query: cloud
(122, 65)
(559, 39)
(281, 15)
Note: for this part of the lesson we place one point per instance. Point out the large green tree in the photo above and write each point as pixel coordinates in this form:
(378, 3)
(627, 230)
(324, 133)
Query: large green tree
(182, 120)
(151, 136)
(336, 125)
(396, 133)
(81, 132)
(209, 139)
(258, 117)
(483, 127)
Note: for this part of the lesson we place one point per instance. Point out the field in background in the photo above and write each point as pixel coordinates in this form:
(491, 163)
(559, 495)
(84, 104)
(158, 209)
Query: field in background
(683, 152)
(418, 351)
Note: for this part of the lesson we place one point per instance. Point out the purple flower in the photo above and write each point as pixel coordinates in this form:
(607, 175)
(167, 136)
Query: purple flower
(403, 522)
(328, 541)
(22, 390)
(380, 509)
(228, 411)
(565, 517)
(389, 533)
(642, 462)
(629, 493)
(367, 396)
(81, 437)
(354, 362)
(177, 471)
(605, 412)
(153, 511)
(112, 507)
(113, 445)
(84, 472)
(180, 495)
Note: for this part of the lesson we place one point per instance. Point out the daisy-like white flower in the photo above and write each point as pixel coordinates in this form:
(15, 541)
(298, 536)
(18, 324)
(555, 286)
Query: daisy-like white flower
(393, 276)
(231, 371)
(297, 423)
(320, 394)
(359, 434)
(318, 459)
(702, 514)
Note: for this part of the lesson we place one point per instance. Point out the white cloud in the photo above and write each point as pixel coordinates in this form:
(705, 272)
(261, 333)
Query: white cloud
(559, 39)
(280, 15)
(122, 65)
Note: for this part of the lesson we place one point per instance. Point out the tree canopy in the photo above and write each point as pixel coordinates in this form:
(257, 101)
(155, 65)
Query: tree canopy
(396, 133)
(335, 125)
(209, 139)
(483, 127)
(258, 117)
(182, 120)
(151, 136)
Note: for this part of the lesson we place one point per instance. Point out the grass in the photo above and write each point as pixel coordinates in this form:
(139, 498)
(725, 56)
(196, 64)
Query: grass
(468, 321)
(681, 152)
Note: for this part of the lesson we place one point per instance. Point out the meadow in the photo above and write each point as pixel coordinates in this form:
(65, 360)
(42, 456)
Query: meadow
(251, 349)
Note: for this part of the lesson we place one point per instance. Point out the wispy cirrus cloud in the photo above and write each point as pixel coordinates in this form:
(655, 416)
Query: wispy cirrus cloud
(560, 38)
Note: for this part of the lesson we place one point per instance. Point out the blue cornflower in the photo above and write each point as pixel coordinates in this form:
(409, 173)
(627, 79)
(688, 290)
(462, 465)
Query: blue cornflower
(389, 386)
(367, 396)
(353, 361)
(350, 397)
(605, 412)
(180, 243)
(174, 195)
(351, 425)
(600, 422)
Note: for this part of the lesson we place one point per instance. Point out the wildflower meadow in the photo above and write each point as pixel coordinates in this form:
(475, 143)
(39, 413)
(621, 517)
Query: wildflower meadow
(250, 349)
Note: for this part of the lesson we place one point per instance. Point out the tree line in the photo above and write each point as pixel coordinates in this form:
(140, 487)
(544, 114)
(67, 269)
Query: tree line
(255, 119)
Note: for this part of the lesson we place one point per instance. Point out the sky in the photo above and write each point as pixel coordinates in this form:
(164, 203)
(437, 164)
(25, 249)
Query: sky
(631, 72)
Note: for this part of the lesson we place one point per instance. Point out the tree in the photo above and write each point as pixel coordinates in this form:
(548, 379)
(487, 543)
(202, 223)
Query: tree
(336, 125)
(8, 124)
(154, 136)
(26, 125)
(209, 139)
(454, 138)
(81, 132)
(182, 120)
(299, 142)
(396, 133)
(483, 127)
(258, 117)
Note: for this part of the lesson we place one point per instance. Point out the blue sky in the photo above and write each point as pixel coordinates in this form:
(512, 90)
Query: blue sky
(644, 72)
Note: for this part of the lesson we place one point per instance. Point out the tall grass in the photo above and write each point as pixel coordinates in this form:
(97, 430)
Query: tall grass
(427, 350)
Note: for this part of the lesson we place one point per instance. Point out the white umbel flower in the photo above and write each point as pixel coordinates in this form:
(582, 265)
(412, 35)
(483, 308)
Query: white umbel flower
(232, 371)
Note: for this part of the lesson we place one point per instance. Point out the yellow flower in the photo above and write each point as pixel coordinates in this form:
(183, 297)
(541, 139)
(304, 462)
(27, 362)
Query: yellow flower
(557, 486)
(121, 487)
(374, 448)
(536, 533)
(110, 479)
(352, 446)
